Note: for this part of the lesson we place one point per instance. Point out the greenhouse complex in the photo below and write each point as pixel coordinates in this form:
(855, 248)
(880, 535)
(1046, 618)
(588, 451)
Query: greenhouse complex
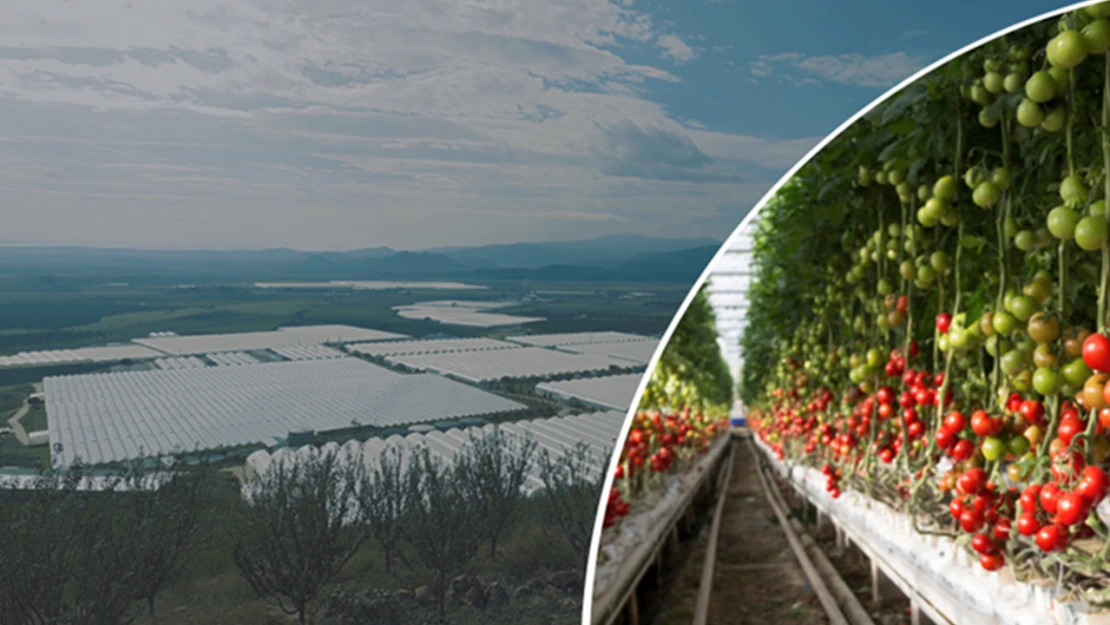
(280, 475)
(918, 344)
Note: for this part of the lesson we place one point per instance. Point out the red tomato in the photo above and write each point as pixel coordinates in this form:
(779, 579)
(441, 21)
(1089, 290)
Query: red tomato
(1068, 428)
(955, 422)
(962, 450)
(972, 481)
(971, 520)
(1072, 509)
(1032, 410)
(1096, 352)
(983, 425)
(982, 543)
(956, 508)
(1049, 497)
(945, 438)
(1093, 484)
(1052, 537)
(992, 561)
(907, 400)
(1029, 496)
(1001, 530)
(944, 321)
(1027, 524)
(885, 395)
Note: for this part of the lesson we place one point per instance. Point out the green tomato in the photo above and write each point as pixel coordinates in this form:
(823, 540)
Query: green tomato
(1040, 87)
(1097, 208)
(1073, 191)
(1063, 80)
(885, 288)
(958, 338)
(940, 261)
(1001, 178)
(874, 357)
(1025, 240)
(1047, 381)
(986, 194)
(987, 119)
(992, 448)
(1076, 372)
(1062, 221)
(1055, 120)
(1024, 307)
(1029, 114)
(945, 188)
(980, 95)
(1066, 50)
(1013, 361)
(1013, 82)
(994, 82)
(1004, 323)
(1096, 36)
(1091, 232)
(1018, 445)
(926, 274)
(1010, 227)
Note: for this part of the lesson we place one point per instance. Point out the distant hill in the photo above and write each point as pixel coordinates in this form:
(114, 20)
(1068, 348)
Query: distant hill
(601, 250)
(606, 258)
(678, 266)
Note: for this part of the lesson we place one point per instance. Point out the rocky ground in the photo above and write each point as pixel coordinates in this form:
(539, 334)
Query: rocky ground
(553, 598)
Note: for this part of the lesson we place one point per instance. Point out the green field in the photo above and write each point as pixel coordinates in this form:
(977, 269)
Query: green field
(74, 314)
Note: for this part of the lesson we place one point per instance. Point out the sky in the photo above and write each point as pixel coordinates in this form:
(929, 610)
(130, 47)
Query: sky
(329, 125)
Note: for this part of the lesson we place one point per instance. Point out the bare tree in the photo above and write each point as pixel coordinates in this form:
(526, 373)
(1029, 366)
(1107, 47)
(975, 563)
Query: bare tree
(39, 550)
(298, 530)
(383, 495)
(572, 494)
(165, 523)
(443, 526)
(102, 589)
(492, 469)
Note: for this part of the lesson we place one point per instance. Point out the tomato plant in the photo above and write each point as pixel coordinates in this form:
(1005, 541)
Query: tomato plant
(928, 315)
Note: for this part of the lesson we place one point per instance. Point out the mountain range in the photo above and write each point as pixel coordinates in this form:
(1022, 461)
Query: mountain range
(611, 258)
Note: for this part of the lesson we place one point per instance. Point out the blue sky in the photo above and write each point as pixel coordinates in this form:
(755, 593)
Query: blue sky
(333, 124)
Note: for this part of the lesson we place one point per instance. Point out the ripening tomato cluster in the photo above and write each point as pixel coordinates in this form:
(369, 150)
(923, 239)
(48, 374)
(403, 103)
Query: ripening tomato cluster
(659, 443)
(832, 480)
(1053, 514)
(615, 508)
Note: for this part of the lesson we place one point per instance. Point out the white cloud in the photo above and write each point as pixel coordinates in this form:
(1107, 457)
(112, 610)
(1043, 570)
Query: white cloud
(879, 71)
(675, 48)
(325, 123)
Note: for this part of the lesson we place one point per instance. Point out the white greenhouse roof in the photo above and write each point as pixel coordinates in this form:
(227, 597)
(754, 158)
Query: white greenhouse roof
(232, 359)
(248, 341)
(310, 352)
(639, 352)
(575, 338)
(512, 363)
(614, 391)
(554, 435)
(400, 348)
(373, 285)
(78, 355)
(730, 280)
(462, 316)
(115, 416)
